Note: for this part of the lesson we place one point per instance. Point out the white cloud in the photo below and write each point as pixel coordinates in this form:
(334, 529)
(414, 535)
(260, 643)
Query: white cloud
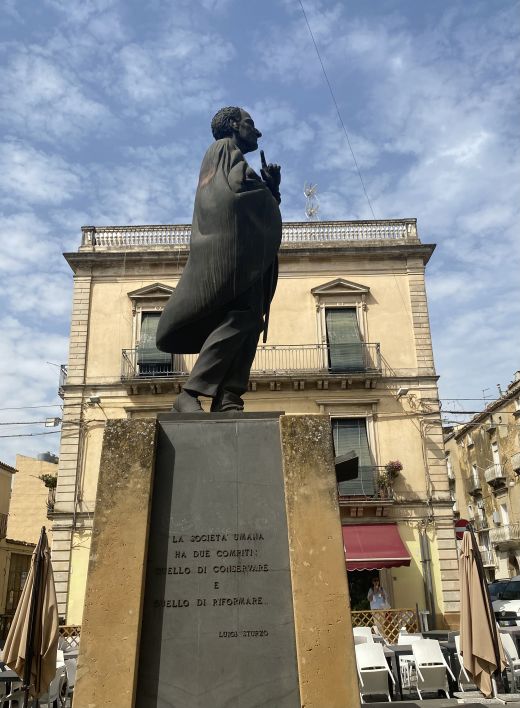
(44, 99)
(28, 380)
(26, 243)
(34, 176)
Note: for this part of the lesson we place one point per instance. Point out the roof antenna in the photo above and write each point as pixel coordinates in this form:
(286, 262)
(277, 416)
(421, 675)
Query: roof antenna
(312, 206)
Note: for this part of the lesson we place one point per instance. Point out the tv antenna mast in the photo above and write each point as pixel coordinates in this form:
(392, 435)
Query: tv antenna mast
(312, 206)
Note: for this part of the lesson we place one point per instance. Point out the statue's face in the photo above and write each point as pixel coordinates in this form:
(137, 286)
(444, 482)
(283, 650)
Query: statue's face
(246, 134)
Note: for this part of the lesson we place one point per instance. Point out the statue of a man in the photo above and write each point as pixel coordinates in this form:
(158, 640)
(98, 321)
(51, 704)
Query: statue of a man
(221, 303)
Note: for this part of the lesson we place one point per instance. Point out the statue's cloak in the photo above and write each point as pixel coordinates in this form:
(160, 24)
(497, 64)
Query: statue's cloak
(235, 237)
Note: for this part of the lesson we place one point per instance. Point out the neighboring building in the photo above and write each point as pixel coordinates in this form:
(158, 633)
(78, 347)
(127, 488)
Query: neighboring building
(483, 458)
(31, 499)
(15, 556)
(349, 337)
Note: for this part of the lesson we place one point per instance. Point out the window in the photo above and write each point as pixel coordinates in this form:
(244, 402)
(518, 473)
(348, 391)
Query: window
(344, 340)
(18, 571)
(351, 434)
(474, 474)
(451, 476)
(504, 514)
(150, 360)
(495, 454)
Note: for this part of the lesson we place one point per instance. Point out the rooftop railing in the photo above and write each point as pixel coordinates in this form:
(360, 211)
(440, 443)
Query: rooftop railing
(318, 232)
(271, 360)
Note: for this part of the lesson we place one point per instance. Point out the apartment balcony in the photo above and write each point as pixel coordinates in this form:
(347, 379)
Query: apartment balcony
(474, 486)
(365, 489)
(488, 558)
(479, 524)
(495, 475)
(321, 365)
(505, 536)
(63, 380)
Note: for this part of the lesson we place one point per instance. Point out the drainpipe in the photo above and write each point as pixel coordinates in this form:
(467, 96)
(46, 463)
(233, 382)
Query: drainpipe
(426, 562)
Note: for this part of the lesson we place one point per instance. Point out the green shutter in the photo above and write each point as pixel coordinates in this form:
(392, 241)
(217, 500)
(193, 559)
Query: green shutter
(344, 339)
(351, 434)
(147, 352)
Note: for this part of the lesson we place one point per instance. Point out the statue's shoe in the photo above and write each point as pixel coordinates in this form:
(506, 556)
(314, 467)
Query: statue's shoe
(227, 401)
(184, 403)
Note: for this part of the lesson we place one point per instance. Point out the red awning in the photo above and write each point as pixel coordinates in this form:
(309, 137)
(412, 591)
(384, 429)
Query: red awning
(373, 546)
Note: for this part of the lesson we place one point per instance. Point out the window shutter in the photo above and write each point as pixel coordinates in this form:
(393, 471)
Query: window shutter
(344, 339)
(147, 352)
(351, 434)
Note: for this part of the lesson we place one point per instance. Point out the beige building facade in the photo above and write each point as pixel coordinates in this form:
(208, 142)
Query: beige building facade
(349, 337)
(483, 460)
(15, 554)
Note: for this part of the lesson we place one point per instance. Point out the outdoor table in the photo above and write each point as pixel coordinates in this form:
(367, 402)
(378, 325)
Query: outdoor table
(440, 634)
(7, 676)
(397, 650)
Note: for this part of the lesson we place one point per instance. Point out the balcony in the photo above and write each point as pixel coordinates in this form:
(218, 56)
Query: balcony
(338, 364)
(505, 535)
(365, 488)
(474, 486)
(495, 475)
(479, 524)
(63, 380)
(488, 558)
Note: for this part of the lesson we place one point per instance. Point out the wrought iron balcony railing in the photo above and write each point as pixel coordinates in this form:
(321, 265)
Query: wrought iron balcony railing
(271, 360)
(114, 237)
(488, 557)
(366, 487)
(505, 534)
(63, 379)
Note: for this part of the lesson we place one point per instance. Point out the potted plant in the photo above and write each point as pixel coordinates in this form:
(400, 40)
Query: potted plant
(386, 477)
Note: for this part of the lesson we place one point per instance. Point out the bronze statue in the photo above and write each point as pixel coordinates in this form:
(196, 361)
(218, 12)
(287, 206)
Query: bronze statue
(221, 303)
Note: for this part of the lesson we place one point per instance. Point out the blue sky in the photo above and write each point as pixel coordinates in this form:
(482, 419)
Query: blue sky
(105, 108)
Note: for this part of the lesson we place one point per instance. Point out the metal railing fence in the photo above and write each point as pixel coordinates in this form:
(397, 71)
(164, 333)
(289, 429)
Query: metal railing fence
(270, 360)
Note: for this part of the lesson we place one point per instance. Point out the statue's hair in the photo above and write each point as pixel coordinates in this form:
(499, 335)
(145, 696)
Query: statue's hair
(221, 123)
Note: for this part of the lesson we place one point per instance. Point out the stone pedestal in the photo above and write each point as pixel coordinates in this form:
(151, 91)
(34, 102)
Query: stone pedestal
(244, 601)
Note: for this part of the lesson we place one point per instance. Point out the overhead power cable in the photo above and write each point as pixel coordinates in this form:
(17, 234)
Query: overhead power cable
(337, 109)
(30, 435)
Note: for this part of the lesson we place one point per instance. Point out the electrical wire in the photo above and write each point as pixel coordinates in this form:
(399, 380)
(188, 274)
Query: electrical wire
(30, 435)
(337, 110)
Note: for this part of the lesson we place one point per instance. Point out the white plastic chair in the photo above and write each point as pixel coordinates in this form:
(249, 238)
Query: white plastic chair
(55, 689)
(512, 657)
(463, 674)
(431, 667)
(363, 632)
(360, 640)
(70, 668)
(372, 670)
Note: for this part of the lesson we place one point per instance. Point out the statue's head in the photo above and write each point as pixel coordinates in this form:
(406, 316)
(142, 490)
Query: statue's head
(234, 122)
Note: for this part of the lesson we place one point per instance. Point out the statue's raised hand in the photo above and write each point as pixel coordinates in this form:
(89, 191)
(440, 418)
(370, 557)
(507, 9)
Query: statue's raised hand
(271, 176)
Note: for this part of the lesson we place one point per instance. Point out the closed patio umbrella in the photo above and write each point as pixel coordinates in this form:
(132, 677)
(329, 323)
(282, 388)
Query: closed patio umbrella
(31, 645)
(482, 653)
